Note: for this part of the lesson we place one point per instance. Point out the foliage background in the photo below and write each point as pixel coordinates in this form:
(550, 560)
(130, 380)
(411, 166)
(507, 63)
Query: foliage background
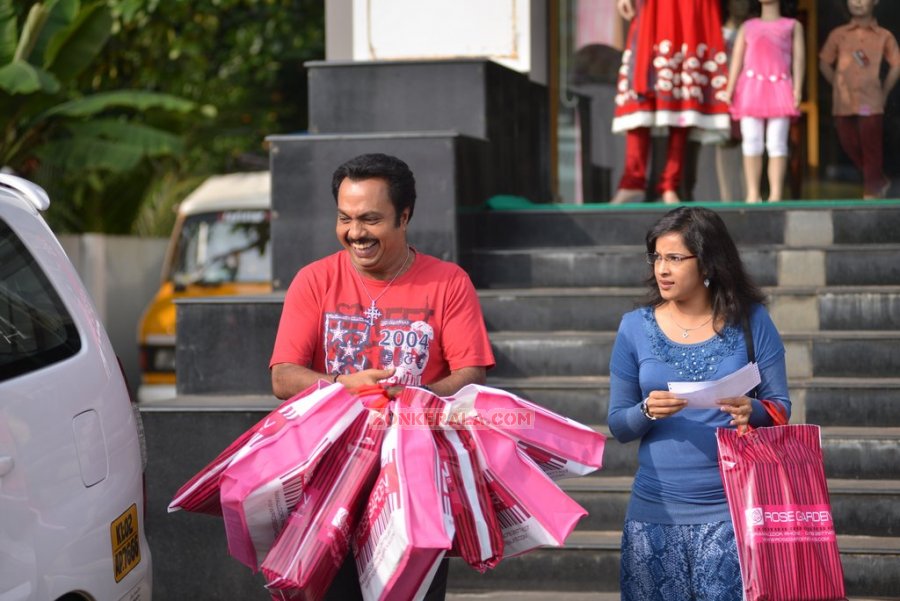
(240, 61)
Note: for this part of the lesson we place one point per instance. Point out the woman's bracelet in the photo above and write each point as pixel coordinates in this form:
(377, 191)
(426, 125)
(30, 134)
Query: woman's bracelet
(646, 410)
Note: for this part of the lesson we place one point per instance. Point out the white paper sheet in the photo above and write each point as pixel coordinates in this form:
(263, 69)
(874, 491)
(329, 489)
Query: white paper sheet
(703, 395)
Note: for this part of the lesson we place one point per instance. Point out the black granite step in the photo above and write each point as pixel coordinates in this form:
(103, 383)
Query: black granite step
(790, 222)
(853, 402)
(589, 562)
(822, 401)
(859, 507)
(849, 453)
(601, 308)
(618, 265)
(858, 354)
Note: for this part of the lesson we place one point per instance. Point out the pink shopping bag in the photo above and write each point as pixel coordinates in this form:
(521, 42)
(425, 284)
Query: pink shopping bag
(560, 446)
(406, 526)
(532, 510)
(266, 478)
(200, 494)
(315, 541)
(778, 498)
(479, 537)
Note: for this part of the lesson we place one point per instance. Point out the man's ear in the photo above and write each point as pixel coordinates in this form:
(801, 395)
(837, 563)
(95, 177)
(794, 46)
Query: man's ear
(404, 217)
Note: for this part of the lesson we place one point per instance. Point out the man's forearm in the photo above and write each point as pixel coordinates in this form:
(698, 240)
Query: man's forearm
(457, 379)
(288, 379)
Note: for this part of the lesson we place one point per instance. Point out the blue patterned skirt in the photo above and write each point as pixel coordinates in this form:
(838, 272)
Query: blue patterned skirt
(671, 562)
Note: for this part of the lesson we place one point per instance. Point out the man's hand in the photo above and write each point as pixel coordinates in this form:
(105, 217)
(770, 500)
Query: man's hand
(289, 378)
(366, 377)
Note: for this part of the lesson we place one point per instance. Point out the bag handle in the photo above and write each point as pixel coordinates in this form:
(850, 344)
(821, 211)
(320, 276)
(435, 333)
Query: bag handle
(776, 412)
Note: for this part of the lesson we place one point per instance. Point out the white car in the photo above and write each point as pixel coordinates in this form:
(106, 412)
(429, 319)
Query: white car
(71, 453)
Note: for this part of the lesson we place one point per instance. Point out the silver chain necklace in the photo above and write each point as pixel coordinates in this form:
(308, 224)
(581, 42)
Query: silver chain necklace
(685, 332)
(372, 312)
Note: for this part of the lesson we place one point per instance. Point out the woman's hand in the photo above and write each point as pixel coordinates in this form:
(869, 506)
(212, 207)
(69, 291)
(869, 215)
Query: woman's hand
(626, 9)
(662, 404)
(740, 409)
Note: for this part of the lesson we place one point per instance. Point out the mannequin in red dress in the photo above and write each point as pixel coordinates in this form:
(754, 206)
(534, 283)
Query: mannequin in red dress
(673, 77)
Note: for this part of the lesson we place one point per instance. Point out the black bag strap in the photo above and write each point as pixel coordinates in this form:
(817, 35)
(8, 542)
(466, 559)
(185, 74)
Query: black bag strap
(775, 411)
(748, 339)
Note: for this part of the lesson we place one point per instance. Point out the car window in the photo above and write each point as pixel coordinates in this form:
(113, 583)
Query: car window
(35, 328)
(228, 246)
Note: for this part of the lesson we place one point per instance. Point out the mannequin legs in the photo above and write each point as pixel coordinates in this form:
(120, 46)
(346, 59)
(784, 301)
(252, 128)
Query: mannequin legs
(637, 149)
(752, 175)
(777, 170)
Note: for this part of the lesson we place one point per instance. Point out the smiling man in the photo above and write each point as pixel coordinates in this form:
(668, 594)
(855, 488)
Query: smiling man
(378, 311)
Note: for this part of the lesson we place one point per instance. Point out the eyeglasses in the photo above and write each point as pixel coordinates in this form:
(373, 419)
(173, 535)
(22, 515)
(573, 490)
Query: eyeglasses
(654, 258)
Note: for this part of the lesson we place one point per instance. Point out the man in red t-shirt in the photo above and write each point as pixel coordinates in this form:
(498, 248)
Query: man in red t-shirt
(379, 311)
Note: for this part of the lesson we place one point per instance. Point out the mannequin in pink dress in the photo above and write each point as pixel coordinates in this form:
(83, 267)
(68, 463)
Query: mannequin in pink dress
(764, 89)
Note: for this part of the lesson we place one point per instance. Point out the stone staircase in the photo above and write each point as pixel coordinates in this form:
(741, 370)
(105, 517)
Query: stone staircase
(553, 285)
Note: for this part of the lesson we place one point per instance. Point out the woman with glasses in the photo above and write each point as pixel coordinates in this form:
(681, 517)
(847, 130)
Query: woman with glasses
(678, 540)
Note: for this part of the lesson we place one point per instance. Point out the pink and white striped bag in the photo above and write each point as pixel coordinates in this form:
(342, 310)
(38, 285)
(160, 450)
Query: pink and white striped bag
(778, 498)
(200, 494)
(562, 447)
(316, 538)
(532, 510)
(479, 538)
(266, 478)
(406, 527)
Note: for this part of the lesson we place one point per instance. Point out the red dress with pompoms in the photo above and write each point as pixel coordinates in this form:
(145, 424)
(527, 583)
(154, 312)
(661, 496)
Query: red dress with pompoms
(674, 69)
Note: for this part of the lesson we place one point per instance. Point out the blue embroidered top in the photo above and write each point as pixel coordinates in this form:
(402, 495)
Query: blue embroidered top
(678, 479)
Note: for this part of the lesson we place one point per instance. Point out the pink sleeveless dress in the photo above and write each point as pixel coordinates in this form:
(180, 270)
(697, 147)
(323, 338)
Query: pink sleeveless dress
(765, 87)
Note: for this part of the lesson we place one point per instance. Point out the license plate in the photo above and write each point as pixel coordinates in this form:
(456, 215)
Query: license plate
(126, 544)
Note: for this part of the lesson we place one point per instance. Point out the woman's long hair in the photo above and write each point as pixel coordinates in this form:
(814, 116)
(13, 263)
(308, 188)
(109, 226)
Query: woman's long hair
(705, 235)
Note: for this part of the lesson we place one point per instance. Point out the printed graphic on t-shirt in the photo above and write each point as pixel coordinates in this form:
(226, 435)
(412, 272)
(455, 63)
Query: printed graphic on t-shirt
(401, 343)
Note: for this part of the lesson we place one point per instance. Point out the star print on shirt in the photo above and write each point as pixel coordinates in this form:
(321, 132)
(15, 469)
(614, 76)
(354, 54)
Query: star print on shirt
(350, 350)
(337, 332)
(334, 366)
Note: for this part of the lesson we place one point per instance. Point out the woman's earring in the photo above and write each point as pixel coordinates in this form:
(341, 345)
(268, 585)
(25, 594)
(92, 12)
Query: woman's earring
(706, 282)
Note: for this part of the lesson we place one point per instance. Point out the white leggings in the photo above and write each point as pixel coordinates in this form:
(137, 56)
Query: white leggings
(775, 131)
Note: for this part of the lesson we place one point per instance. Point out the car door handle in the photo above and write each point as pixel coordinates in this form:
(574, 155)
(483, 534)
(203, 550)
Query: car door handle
(6, 465)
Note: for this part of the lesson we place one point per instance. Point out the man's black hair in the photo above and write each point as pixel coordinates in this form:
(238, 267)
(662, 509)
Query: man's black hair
(400, 180)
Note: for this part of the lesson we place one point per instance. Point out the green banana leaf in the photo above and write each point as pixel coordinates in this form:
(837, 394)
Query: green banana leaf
(61, 14)
(91, 155)
(71, 50)
(129, 99)
(9, 32)
(151, 141)
(20, 77)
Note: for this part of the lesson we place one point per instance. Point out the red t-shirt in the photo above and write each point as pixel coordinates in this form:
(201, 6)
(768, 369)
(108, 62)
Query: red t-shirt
(427, 323)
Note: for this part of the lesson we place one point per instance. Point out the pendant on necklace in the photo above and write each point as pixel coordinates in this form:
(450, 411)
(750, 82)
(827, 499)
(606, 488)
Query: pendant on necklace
(685, 334)
(372, 313)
